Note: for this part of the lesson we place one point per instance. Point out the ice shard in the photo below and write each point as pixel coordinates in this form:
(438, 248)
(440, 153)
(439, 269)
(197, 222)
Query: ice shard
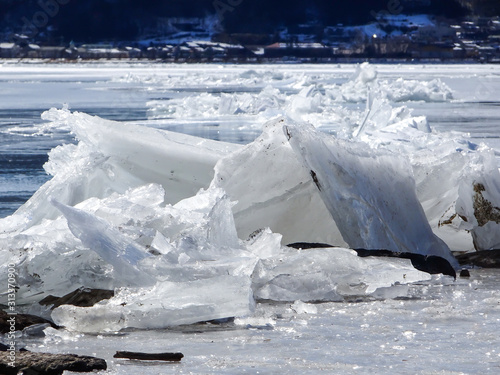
(370, 193)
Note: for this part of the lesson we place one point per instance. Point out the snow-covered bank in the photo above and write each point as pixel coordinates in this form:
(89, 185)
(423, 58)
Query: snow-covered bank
(201, 224)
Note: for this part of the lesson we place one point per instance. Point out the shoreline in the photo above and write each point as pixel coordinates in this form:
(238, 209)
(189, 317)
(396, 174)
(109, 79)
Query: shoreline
(253, 61)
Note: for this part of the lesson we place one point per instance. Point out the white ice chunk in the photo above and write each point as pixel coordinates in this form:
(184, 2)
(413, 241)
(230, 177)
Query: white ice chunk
(166, 304)
(329, 274)
(412, 90)
(221, 227)
(306, 101)
(273, 190)
(304, 308)
(113, 157)
(264, 244)
(446, 167)
(364, 81)
(161, 244)
(370, 193)
(108, 243)
(365, 73)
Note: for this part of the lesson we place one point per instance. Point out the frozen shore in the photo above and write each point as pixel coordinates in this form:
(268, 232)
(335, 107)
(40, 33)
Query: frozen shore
(185, 229)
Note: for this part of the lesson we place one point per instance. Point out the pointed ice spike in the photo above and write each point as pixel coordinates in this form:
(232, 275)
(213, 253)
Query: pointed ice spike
(369, 102)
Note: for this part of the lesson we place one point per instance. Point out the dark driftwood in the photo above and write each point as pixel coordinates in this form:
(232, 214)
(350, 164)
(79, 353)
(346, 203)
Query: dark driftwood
(83, 297)
(21, 321)
(172, 357)
(484, 258)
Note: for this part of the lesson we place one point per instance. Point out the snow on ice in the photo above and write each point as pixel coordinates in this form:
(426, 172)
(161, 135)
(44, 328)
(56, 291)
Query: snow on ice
(188, 229)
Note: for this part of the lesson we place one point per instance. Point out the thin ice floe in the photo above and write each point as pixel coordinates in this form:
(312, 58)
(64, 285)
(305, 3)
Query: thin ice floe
(166, 304)
(187, 229)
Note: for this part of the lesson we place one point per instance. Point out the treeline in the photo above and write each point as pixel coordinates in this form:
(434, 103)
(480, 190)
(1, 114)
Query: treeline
(114, 20)
(354, 12)
(488, 8)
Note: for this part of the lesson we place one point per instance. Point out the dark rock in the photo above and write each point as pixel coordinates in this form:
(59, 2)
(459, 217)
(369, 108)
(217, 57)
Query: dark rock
(377, 253)
(172, 357)
(83, 297)
(48, 364)
(464, 273)
(484, 211)
(484, 258)
(4, 348)
(21, 321)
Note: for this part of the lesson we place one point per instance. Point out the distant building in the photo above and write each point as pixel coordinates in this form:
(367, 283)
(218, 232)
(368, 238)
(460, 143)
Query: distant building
(433, 51)
(9, 50)
(100, 51)
(300, 50)
(51, 52)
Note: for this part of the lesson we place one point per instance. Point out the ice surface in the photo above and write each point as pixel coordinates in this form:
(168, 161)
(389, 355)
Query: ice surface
(186, 229)
(452, 320)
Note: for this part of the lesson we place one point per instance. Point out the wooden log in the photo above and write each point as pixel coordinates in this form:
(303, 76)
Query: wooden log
(483, 258)
(172, 357)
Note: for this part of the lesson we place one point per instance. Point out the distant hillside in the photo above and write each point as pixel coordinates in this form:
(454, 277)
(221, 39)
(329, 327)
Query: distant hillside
(115, 20)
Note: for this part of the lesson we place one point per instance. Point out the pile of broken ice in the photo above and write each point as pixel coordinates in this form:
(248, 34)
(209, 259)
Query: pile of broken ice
(188, 229)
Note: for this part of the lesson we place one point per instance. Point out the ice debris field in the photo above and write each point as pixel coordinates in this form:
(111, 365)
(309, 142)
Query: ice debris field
(186, 229)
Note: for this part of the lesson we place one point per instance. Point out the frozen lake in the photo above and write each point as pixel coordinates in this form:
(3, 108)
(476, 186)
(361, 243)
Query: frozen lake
(444, 329)
(436, 326)
(140, 93)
